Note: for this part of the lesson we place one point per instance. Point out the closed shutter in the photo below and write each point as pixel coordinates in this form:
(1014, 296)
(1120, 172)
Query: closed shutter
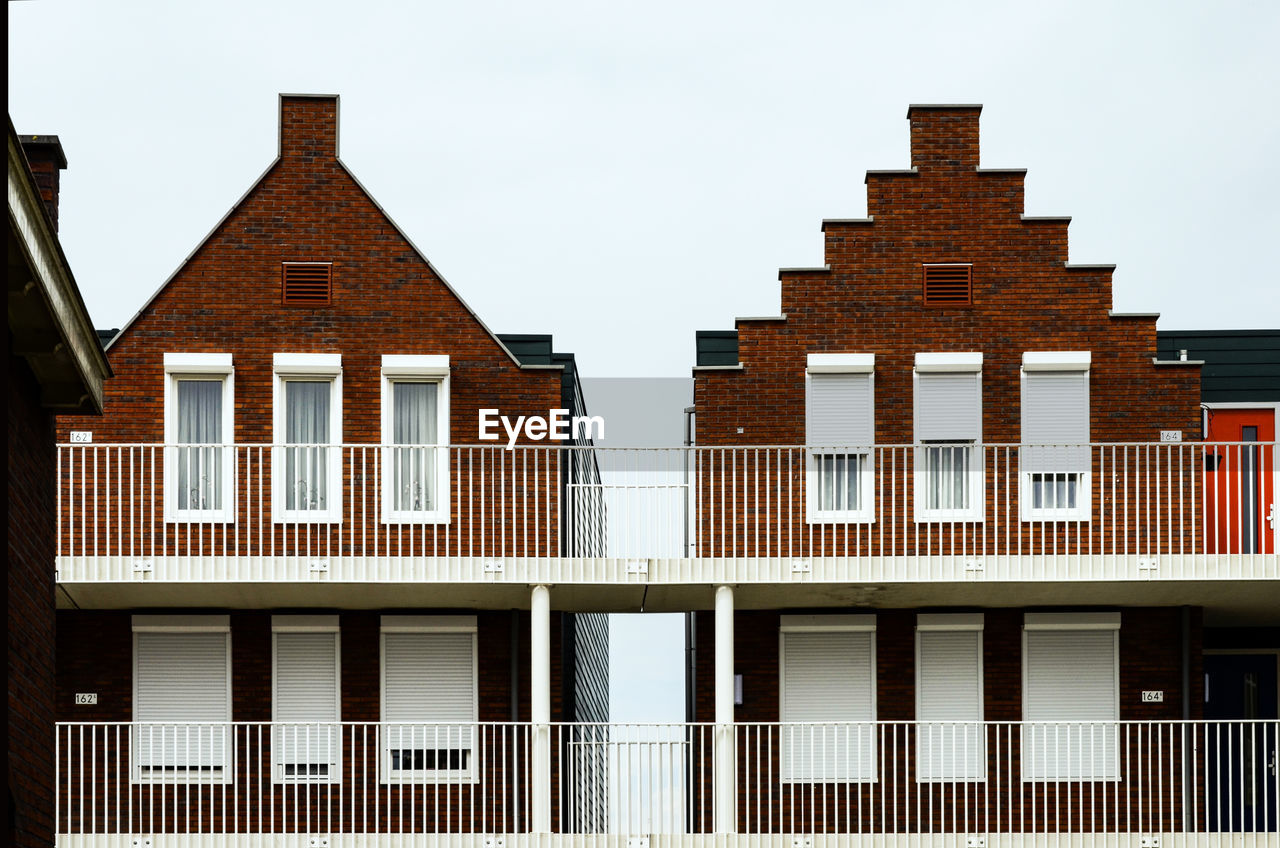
(948, 407)
(840, 412)
(1070, 704)
(828, 681)
(306, 704)
(429, 698)
(181, 686)
(1055, 412)
(949, 682)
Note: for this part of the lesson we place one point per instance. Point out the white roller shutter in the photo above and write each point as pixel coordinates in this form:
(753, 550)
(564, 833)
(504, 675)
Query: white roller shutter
(306, 704)
(1055, 413)
(429, 695)
(828, 681)
(181, 684)
(1070, 704)
(840, 411)
(949, 705)
(948, 407)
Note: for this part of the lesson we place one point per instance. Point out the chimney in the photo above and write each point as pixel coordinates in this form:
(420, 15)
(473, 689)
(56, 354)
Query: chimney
(309, 126)
(44, 155)
(944, 136)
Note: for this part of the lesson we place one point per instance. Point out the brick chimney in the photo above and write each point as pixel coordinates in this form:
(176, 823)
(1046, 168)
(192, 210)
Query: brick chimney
(944, 136)
(44, 155)
(309, 126)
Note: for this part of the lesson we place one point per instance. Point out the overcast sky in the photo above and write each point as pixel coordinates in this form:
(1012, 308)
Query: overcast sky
(622, 174)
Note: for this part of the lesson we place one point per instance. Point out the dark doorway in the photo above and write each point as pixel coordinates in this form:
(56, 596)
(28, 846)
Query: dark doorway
(1241, 745)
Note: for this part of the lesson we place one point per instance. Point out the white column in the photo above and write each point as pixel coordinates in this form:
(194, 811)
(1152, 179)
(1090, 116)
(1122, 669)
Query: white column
(540, 711)
(726, 778)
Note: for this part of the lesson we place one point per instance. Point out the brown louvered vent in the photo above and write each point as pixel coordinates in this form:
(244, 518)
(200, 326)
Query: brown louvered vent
(307, 283)
(948, 285)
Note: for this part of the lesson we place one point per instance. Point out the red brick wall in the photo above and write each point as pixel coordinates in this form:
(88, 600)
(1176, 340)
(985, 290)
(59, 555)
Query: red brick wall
(30, 634)
(95, 655)
(870, 301)
(1150, 658)
(386, 300)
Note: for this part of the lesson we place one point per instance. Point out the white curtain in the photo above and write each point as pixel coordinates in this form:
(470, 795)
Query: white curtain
(413, 423)
(199, 423)
(948, 477)
(307, 425)
(838, 476)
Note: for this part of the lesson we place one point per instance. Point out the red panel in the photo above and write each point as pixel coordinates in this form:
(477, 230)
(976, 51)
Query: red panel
(1240, 481)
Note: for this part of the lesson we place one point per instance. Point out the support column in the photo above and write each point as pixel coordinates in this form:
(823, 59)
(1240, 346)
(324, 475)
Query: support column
(540, 710)
(726, 778)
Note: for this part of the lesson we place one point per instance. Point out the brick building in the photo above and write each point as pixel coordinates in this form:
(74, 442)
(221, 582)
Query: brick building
(55, 367)
(952, 561)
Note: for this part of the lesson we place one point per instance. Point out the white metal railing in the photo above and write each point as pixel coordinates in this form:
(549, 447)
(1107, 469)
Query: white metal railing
(872, 778)
(1106, 510)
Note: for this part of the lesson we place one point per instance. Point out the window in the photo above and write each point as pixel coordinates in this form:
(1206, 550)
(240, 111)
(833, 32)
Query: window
(839, 433)
(415, 429)
(429, 707)
(1055, 456)
(306, 283)
(307, 469)
(182, 698)
(827, 698)
(1070, 696)
(948, 433)
(305, 698)
(951, 742)
(198, 433)
(948, 285)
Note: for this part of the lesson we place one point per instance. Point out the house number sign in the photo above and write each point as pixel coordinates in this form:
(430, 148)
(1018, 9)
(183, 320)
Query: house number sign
(86, 697)
(1153, 696)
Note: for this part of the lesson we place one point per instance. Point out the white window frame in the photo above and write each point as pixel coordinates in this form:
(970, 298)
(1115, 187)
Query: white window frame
(1042, 362)
(944, 363)
(942, 623)
(317, 368)
(848, 623)
(307, 624)
(429, 624)
(199, 367)
(416, 369)
(1069, 621)
(224, 772)
(840, 363)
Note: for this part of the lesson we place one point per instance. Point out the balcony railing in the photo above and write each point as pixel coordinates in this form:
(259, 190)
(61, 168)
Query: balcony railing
(995, 778)
(931, 512)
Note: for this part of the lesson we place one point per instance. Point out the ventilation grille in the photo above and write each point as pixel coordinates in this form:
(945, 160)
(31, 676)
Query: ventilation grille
(307, 283)
(948, 285)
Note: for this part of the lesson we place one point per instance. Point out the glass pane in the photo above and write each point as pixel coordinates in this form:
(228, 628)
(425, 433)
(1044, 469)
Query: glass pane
(947, 472)
(199, 422)
(414, 423)
(307, 424)
(837, 484)
(1054, 491)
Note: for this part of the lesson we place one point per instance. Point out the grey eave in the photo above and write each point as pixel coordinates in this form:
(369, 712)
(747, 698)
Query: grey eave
(870, 219)
(891, 172)
(738, 367)
(1007, 172)
(939, 107)
(749, 318)
(815, 269)
(1114, 314)
(69, 359)
(254, 185)
(1155, 361)
(1099, 266)
(1046, 219)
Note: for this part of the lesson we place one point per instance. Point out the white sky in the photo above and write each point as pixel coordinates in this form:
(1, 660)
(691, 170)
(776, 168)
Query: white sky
(622, 174)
